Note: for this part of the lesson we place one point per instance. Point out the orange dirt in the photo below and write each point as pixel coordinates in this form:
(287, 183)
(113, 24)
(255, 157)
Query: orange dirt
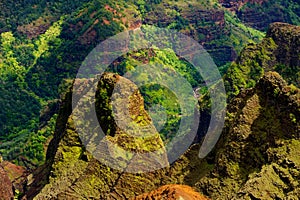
(172, 192)
(13, 171)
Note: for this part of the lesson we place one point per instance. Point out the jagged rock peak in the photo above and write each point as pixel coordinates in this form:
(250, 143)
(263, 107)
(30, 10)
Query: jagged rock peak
(273, 80)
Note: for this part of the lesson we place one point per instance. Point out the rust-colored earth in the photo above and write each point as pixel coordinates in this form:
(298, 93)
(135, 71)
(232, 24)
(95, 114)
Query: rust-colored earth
(5, 185)
(172, 192)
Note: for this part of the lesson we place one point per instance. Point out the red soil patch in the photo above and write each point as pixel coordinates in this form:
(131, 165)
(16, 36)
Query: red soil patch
(96, 22)
(172, 192)
(107, 7)
(135, 25)
(13, 171)
(33, 31)
(16, 174)
(6, 191)
(105, 21)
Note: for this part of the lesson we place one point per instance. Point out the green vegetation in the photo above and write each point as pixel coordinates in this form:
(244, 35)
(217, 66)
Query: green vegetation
(45, 44)
(50, 36)
(11, 18)
(271, 54)
(37, 68)
(155, 91)
(240, 33)
(32, 70)
(270, 11)
(249, 67)
(257, 143)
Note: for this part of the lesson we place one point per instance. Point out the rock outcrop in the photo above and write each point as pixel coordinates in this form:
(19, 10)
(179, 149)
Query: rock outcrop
(203, 22)
(17, 176)
(235, 5)
(258, 155)
(72, 172)
(259, 141)
(279, 52)
(287, 38)
(12, 180)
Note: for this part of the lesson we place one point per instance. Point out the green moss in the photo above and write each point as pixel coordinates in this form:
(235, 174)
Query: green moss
(293, 118)
(250, 66)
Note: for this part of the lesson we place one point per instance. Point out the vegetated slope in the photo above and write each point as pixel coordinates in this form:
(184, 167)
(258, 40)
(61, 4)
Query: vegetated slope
(259, 141)
(33, 17)
(32, 74)
(258, 155)
(267, 115)
(153, 85)
(279, 51)
(260, 13)
(73, 172)
(70, 171)
(45, 44)
(220, 32)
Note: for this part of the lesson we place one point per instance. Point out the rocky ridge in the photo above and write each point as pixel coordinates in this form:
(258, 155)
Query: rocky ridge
(256, 157)
(267, 115)
(279, 52)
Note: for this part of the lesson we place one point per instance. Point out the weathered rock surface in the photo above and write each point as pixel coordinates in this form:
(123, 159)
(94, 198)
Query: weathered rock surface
(279, 52)
(287, 38)
(258, 155)
(71, 172)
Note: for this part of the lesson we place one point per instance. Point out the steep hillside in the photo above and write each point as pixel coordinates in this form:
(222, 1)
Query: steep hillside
(32, 76)
(267, 115)
(36, 16)
(89, 177)
(260, 13)
(208, 23)
(258, 156)
(279, 51)
(44, 45)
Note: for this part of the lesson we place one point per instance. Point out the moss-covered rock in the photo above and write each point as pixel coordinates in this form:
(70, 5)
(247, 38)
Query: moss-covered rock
(72, 172)
(279, 51)
(257, 156)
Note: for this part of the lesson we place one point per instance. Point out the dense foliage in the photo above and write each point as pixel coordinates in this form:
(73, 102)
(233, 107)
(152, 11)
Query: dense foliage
(44, 42)
(260, 15)
(32, 73)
